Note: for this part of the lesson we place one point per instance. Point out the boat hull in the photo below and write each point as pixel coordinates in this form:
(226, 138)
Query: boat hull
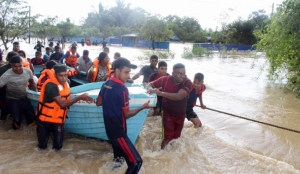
(87, 119)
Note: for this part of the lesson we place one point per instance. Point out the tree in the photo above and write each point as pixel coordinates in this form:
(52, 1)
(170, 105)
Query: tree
(240, 32)
(14, 20)
(189, 26)
(224, 18)
(260, 19)
(65, 27)
(281, 42)
(45, 28)
(155, 29)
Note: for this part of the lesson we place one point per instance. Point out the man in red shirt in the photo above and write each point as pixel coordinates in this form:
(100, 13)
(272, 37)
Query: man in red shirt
(174, 90)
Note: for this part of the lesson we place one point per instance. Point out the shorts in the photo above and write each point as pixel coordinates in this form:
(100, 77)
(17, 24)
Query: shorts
(172, 126)
(190, 113)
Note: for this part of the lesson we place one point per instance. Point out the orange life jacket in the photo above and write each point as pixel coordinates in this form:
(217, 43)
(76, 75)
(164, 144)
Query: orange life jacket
(96, 69)
(72, 59)
(26, 64)
(52, 112)
(45, 73)
(72, 72)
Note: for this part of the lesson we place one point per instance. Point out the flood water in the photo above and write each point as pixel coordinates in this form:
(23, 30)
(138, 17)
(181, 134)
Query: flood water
(224, 144)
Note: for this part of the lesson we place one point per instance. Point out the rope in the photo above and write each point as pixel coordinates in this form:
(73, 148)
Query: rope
(249, 119)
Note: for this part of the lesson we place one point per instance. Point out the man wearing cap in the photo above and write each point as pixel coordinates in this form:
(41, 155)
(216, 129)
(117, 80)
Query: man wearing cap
(53, 108)
(114, 99)
(16, 80)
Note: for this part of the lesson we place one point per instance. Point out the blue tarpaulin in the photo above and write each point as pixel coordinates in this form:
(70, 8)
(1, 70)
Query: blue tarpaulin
(175, 38)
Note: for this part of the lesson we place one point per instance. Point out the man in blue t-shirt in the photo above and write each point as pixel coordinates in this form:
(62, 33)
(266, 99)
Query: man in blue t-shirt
(196, 92)
(56, 55)
(147, 70)
(113, 97)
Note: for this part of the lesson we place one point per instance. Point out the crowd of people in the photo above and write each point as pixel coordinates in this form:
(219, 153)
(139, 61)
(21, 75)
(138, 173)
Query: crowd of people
(176, 95)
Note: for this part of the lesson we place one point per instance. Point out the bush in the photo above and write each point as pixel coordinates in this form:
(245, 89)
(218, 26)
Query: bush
(196, 52)
(160, 54)
(187, 53)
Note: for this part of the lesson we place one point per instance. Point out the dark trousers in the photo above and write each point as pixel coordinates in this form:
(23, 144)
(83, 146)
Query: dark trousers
(3, 106)
(21, 107)
(43, 131)
(123, 147)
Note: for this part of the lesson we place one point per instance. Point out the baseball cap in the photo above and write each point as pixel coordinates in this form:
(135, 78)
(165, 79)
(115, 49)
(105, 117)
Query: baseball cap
(120, 62)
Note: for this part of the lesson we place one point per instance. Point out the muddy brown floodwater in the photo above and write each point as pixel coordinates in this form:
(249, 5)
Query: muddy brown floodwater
(224, 144)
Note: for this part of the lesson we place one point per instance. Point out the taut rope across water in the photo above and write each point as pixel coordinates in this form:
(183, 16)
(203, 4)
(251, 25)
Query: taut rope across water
(249, 119)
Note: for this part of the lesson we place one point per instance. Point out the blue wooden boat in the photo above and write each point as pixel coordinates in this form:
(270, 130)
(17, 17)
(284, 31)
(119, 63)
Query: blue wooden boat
(38, 69)
(79, 79)
(87, 119)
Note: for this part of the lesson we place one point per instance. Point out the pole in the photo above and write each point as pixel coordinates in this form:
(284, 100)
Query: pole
(29, 25)
(272, 9)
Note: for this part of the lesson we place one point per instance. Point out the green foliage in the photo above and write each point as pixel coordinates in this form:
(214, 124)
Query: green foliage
(187, 29)
(119, 31)
(14, 20)
(45, 28)
(91, 32)
(240, 32)
(223, 52)
(196, 52)
(199, 51)
(65, 27)
(76, 31)
(187, 53)
(165, 54)
(281, 42)
(155, 29)
(116, 21)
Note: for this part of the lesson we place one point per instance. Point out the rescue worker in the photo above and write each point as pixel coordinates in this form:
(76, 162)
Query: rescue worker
(53, 108)
(100, 69)
(114, 99)
(46, 73)
(71, 57)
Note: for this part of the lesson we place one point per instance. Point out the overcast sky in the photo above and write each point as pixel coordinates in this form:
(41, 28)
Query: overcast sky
(207, 12)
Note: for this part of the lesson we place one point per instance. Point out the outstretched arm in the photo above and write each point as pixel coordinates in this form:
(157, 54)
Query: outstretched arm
(66, 103)
(129, 113)
(137, 75)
